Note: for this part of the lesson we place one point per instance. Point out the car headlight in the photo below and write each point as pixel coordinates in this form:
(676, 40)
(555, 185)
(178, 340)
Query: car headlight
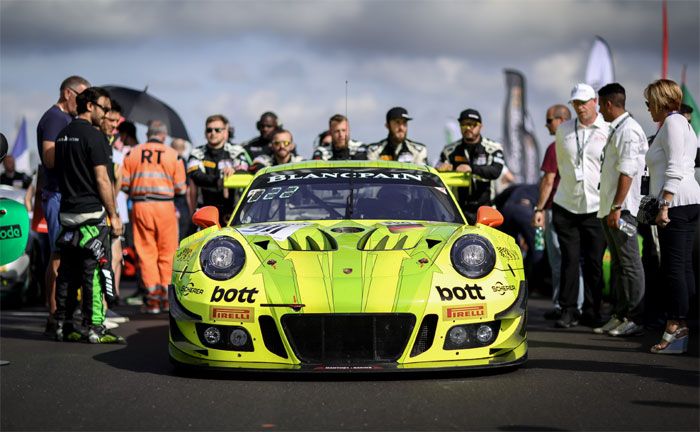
(473, 256)
(222, 258)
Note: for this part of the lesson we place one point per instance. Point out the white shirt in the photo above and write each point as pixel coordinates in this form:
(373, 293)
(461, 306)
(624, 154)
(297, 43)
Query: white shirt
(671, 162)
(623, 154)
(579, 193)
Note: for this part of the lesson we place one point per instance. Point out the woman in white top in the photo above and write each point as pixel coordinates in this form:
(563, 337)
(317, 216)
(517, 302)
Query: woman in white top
(671, 160)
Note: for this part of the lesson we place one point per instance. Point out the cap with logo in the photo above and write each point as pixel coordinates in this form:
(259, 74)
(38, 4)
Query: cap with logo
(582, 92)
(470, 114)
(397, 113)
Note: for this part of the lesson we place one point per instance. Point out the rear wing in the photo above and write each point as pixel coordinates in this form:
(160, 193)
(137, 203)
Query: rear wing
(238, 181)
(456, 179)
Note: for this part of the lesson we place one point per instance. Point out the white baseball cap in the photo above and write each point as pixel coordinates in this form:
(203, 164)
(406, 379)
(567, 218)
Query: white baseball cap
(582, 92)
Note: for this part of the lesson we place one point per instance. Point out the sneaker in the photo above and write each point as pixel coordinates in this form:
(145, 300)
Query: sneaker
(151, 300)
(627, 328)
(614, 322)
(115, 317)
(110, 324)
(568, 319)
(100, 335)
(66, 332)
(134, 300)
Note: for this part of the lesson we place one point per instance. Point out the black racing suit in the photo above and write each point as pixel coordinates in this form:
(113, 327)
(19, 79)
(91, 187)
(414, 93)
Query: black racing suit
(205, 168)
(486, 161)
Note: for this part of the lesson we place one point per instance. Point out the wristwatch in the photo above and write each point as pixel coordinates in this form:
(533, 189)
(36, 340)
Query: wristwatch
(538, 210)
(664, 203)
(616, 207)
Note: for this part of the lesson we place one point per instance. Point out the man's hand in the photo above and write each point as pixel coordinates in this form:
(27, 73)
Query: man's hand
(228, 171)
(445, 166)
(538, 219)
(613, 219)
(116, 223)
(464, 168)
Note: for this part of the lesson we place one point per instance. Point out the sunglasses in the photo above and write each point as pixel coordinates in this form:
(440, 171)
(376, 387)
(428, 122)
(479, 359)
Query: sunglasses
(469, 125)
(647, 103)
(105, 109)
(551, 120)
(217, 130)
(281, 143)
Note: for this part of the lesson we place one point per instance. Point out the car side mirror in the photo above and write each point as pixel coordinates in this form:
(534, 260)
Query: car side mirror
(489, 216)
(207, 216)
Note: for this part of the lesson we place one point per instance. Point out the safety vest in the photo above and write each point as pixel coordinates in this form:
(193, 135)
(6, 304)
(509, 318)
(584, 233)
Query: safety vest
(152, 171)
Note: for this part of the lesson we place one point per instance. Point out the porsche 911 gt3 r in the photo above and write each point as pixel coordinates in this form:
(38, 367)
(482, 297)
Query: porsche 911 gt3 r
(337, 266)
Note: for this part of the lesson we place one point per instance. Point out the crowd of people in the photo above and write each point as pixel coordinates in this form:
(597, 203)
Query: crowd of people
(96, 184)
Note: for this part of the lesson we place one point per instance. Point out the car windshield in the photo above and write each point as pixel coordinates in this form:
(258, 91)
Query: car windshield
(358, 193)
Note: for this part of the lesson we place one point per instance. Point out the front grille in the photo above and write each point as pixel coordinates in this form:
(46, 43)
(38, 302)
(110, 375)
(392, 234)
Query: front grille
(348, 338)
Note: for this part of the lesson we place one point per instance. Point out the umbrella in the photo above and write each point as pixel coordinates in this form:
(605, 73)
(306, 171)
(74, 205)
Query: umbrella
(141, 107)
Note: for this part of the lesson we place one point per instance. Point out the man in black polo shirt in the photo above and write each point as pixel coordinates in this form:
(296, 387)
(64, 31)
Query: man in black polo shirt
(84, 167)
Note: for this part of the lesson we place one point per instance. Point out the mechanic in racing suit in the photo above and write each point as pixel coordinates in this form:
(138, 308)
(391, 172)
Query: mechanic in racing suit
(396, 146)
(282, 151)
(342, 147)
(475, 154)
(209, 164)
(260, 145)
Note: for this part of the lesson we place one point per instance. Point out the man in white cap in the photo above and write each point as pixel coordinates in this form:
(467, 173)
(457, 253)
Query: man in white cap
(579, 146)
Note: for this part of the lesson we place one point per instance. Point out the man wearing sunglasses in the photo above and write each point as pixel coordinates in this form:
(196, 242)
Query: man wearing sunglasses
(282, 151)
(54, 119)
(474, 154)
(209, 164)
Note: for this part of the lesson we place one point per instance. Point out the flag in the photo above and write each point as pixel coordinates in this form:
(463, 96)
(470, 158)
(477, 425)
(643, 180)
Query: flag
(664, 41)
(695, 117)
(20, 150)
(519, 143)
(600, 70)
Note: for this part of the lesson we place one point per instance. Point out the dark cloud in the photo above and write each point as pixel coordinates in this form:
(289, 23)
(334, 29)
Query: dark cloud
(487, 29)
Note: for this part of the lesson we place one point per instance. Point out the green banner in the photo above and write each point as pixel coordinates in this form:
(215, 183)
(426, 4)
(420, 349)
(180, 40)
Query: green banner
(14, 230)
(695, 117)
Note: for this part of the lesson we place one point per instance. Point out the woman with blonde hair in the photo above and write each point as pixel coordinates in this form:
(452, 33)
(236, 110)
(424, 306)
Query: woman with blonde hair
(672, 180)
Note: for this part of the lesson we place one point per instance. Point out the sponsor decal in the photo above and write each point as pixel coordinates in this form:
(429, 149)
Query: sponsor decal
(8, 232)
(184, 254)
(463, 312)
(507, 253)
(276, 231)
(458, 293)
(501, 288)
(345, 174)
(245, 295)
(222, 313)
(190, 289)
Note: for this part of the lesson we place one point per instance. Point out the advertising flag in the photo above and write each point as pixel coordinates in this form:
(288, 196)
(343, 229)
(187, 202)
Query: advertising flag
(600, 70)
(695, 116)
(20, 150)
(519, 143)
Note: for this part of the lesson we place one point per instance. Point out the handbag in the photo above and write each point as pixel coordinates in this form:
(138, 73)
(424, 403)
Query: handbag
(648, 209)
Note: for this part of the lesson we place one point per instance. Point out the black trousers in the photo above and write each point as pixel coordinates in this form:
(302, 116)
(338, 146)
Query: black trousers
(676, 245)
(580, 236)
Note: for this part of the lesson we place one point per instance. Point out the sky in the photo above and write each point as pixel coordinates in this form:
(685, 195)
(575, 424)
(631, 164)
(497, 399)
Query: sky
(241, 58)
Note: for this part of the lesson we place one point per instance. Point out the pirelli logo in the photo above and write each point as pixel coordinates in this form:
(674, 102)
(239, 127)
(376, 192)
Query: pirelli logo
(232, 314)
(463, 312)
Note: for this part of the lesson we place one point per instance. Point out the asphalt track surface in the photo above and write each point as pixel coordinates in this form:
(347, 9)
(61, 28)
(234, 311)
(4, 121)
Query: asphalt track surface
(574, 380)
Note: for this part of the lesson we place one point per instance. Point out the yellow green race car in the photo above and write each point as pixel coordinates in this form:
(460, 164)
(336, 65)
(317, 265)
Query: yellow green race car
(348, 266)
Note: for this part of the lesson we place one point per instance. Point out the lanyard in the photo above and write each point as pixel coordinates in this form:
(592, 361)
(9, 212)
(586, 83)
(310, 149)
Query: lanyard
(610, 138)
(579, 149)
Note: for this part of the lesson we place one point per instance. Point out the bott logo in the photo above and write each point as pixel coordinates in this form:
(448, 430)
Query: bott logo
(8, 232)
(244, 295)
(459, 293)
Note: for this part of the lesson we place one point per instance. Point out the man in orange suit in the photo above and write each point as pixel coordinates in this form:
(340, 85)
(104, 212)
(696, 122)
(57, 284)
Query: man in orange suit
(152, 176)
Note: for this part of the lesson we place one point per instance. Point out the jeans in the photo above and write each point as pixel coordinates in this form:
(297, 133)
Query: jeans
(626, 273)
(676, 242)
(580, 235)
(551, 241)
